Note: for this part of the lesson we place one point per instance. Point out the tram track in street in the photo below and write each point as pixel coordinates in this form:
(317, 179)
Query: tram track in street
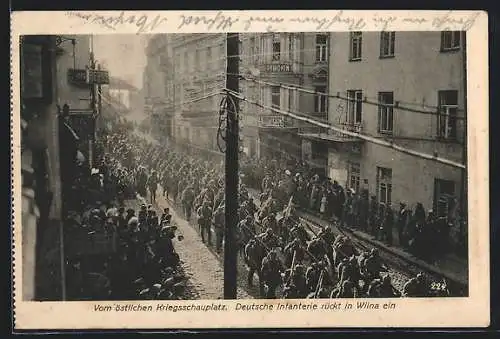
(400, 268)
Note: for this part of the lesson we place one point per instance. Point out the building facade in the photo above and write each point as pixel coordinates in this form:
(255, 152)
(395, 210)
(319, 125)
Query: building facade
(158, 86)
(51, 69)
(274, 59)
(407, 88)
(199, 67)
(128, 98)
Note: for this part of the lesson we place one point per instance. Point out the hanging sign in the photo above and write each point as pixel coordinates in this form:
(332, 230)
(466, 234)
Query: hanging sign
(98, 77)
(88, 77)
(77, 76)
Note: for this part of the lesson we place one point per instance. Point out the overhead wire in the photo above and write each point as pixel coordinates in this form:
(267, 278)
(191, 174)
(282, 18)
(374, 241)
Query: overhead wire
(298, 116)
(396, 105)
(191, 101)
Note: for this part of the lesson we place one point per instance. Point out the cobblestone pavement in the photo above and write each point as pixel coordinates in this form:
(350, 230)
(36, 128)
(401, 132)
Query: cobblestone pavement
(216, 259)
(203, 268)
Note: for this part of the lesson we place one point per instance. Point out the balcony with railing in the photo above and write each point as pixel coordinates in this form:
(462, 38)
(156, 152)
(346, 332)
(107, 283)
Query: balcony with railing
(307, 128)
(276, 54)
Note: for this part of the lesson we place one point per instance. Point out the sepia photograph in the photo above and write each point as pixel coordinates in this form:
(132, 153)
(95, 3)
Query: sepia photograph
(244, 166)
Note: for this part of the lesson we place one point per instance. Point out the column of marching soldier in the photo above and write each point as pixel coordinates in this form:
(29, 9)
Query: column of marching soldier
(272, 242)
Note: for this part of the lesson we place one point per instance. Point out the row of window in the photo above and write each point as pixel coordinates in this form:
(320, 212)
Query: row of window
(284, 47)
(201, 59)
(320, 101)
(444, 190)
(182, 96)
(450, 41)
(447, 122)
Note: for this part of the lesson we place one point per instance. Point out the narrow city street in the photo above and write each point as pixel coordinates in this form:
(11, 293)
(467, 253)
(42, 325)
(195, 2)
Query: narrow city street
(201, 265)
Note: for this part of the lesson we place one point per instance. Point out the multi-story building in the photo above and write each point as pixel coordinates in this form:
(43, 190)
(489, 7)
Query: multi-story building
(274, 59)
(158, 85)
(52, 75)
(127, 97)
(407, 88)
(199, 63)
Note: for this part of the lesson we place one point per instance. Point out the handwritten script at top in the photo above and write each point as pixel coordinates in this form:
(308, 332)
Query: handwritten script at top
(226, 21)
(144, 23)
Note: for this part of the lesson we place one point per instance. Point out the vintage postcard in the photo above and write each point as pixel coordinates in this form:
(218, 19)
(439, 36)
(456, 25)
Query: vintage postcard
(250, 169)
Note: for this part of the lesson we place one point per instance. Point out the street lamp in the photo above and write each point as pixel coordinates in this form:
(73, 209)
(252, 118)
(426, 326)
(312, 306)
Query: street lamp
(60, 39)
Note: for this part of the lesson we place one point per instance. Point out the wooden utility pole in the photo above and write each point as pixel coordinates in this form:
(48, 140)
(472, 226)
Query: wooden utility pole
(232, 149)
(98, 116)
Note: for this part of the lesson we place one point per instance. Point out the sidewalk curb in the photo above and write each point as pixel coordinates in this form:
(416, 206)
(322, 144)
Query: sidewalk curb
(399, 253)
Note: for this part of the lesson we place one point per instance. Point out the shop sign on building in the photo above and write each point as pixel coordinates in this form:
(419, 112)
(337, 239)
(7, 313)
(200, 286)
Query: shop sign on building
(279, 68)
(87, 77)
(275, 121)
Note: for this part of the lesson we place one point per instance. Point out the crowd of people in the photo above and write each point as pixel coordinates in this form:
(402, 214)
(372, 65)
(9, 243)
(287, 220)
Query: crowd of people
(115, 251)
(289, 260)
(424, 234)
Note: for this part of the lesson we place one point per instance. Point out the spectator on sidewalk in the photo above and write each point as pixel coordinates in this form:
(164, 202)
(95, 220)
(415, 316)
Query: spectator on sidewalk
(323, 205)
(402, 224)
(388, 224)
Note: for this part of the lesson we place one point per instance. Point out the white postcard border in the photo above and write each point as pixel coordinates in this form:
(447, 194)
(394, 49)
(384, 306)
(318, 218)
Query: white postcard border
(472, 311)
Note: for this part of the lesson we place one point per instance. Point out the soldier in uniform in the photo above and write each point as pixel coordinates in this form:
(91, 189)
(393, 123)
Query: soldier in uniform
(296, 286)
(153, 186)
(292, 250)
(382, 288)
(416, 287)
(318, 247)
(246, 230)
(187, 200)
(313, 274)
(270, 222)
(372, 267)
(204, 213)
(255, 251)
(142, 181)
(299, 232)
(219, 224)
(328, 238)
(271, 273)
(269, 239)
(347, 290)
